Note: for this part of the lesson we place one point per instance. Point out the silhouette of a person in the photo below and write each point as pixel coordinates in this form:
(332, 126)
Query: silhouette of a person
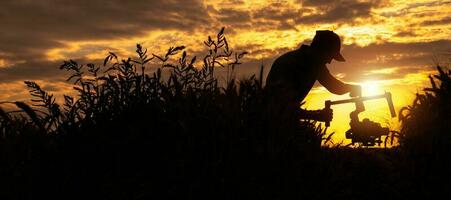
(293, 74)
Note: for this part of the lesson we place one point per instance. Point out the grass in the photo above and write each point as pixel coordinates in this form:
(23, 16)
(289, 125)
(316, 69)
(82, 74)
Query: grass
(425, 136)
(132, 133)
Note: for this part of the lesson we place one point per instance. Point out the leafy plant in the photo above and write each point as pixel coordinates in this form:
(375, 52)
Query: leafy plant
(424, 122)
(425, 137)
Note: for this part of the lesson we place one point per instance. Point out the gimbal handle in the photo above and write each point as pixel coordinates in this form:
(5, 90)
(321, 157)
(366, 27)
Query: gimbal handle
(327, 105)
(386, 95)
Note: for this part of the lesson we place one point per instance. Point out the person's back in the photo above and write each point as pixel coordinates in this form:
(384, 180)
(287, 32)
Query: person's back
(293, 74)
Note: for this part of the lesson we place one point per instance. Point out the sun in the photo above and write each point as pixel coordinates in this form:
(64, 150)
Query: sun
(371, 88)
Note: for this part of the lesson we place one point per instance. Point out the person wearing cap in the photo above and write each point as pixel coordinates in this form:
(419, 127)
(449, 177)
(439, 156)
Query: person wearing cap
(293, 74)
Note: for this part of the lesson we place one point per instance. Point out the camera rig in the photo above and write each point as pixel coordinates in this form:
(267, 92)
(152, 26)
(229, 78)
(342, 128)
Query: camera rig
(365, 132)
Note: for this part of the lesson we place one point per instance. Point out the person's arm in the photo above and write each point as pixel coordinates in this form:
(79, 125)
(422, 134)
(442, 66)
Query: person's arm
(331, 83)
(336, 86)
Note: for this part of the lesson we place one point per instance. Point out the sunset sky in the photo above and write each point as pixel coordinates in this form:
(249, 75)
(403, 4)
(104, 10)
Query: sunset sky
(389, 45)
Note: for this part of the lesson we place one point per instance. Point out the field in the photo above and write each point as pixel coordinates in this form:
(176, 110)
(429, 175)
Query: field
(132, 133)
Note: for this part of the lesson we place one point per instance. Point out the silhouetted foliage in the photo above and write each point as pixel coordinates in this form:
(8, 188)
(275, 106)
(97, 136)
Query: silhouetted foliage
(130, 127)
(425, 136)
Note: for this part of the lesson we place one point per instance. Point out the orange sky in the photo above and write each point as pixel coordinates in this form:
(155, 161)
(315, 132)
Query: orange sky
(389, 45)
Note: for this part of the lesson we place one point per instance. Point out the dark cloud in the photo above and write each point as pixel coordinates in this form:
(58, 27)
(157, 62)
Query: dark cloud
(276, 16)
(230, 15)
(91, 19)
(444, 21)
(32, 70)
(282, 16)
(426, 4)
(277, 12)
(410, 56)
(405, 34)
(408, 9)
(30, 27)
(231, 18)
(338, 11)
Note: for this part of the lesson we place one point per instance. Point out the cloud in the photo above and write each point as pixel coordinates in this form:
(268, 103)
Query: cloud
(410, 57)
(286, 15)
(405, 34)
(94, 19)
(446, 20)
(230, 15)
(32, 70)
(31, 27)
(337, 11)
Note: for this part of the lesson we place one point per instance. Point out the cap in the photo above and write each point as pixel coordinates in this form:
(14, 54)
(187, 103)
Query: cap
(328, 41)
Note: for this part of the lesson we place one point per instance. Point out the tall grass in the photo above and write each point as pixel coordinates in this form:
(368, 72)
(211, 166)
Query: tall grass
(425, 135)
(424, 123)
(130, 127)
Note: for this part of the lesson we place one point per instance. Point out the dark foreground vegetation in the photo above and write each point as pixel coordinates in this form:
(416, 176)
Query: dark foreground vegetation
(132, 133)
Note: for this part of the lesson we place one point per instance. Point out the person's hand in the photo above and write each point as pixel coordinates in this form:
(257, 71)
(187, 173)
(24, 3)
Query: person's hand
(355, 90)
(325, 115)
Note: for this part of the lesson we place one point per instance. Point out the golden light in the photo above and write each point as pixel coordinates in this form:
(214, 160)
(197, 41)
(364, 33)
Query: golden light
(370, 88)
(376, 110)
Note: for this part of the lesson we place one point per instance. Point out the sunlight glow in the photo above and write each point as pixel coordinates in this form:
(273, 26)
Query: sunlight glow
(3, 63)
(371, 88)
(402, 89)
